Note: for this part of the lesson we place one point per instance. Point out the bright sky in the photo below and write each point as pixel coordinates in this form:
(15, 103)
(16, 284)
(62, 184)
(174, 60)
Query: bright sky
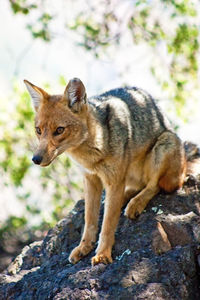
(23, 57)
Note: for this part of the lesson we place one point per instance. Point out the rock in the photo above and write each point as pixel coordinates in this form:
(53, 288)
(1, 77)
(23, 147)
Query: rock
(178, 228)
(160, 241)
(155, 256)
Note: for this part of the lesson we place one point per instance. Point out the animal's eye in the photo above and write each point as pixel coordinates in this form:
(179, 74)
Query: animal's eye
(59, 130)
(38, 130)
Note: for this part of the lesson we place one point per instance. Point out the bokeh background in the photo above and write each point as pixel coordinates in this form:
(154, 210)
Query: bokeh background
(152, 44)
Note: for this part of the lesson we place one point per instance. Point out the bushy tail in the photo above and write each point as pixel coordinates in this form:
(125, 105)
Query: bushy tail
(193, 158)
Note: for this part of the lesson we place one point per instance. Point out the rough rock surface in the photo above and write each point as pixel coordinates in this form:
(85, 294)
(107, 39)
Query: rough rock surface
(156, 256)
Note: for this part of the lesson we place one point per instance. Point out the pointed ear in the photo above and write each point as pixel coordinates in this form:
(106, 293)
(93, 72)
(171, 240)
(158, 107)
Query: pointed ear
(37, 94)
(75, 94)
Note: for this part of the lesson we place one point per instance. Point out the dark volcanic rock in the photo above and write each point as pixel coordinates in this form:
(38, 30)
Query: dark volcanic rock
(155, 256)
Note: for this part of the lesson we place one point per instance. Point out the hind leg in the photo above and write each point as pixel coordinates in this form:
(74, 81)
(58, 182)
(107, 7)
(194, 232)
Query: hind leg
(137, 204)
(129, 193)
(164, 168)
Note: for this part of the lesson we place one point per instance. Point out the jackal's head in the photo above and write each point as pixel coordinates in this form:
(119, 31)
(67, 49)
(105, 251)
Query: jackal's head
(60, 120)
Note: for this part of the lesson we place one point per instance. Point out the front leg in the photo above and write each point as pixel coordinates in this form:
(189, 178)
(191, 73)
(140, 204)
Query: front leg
(93, 190)
(113, 204)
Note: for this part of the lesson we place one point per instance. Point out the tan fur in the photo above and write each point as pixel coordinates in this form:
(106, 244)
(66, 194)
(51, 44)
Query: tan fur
(123, 143)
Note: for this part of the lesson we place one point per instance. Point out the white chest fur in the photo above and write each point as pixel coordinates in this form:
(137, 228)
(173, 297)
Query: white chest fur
(82, 168)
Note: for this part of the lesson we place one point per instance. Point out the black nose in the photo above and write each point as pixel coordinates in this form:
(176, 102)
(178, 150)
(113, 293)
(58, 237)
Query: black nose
(37, 159)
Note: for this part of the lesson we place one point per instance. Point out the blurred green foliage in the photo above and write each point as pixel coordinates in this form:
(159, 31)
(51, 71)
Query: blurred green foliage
(18, 173)
(165, 26)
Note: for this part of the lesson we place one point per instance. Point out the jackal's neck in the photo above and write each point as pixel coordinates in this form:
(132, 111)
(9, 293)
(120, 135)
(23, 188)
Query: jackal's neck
(92, 149)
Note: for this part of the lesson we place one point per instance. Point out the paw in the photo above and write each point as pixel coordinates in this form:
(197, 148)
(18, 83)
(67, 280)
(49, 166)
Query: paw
(101, 258)
(75, 255)
(78, 253)
(133, 210)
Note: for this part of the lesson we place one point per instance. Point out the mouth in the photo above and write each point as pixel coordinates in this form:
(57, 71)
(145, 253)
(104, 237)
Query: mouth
(45, 164)
(56, 153)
